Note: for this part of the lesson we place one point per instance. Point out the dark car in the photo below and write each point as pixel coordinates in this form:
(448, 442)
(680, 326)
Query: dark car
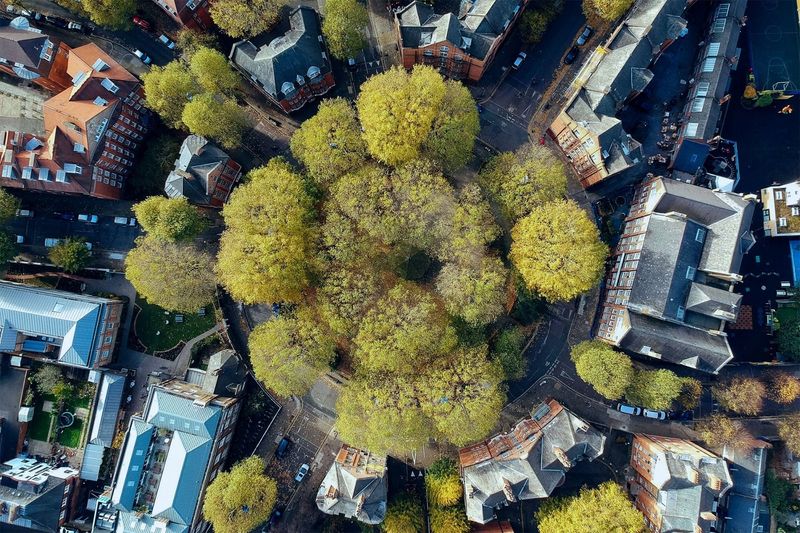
(584, 36)
(283, 448)
(56, 21)
(572, 55)
(65, 216)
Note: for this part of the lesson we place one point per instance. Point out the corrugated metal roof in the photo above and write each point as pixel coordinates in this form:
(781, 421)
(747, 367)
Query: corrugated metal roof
(182, 478)
(71, 318)
(107, 408)
(131, 523)
(181, 414)
(92, 460)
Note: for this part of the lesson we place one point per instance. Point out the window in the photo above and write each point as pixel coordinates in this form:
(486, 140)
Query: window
(719, 26)
(691, 129)
(700, 236)
(681, 312)
(139, 453)
(795, 211)
(782, 222)
(109, 85)
(713, 49)
(78, 147)
(709, 64)
(690, 272)
(134, 468)
(697, 105)
(444, 51)
(702, 88)
(779, 195)
(109, 338)
(723, 10)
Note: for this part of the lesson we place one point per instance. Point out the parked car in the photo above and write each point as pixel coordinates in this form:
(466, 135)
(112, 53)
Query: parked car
(16, 10)
(167, 41)
(629, 409)
(658, 415)
(584, 36)
(56, 21)
(77, 26)
(572, 55)
(121, 220)
(141, 55)
(65, 216)
(92, 219)
(682, 415)
(518, 61)
(88, 246)
(24, 213)
(142, 23)
(49, 243)
(20, 239)
(301, 473)
(283, 448)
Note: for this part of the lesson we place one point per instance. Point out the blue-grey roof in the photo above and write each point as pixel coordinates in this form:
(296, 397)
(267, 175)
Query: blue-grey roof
(131, 462)
(182, 478)
(748, 468)
(106, 409)
(198, 160)
(71, 319)
(132, 523)
(175, 413)
(92, 460)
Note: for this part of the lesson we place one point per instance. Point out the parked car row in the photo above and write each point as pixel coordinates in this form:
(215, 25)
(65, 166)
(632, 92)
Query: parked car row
(573, 53)
(656, 415)
(50, 19)
(82, 217)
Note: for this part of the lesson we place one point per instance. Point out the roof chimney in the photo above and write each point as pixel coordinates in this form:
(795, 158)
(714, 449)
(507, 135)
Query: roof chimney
(693, 475)
(562, 457)
(508, 491)
(715, 483)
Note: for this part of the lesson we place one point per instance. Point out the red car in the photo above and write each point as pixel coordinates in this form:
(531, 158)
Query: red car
(142, 23)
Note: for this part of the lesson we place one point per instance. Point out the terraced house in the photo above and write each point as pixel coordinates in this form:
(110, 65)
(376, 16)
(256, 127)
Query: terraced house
(27, 53)
(56, 326)
(669, 294)
(192, 14)
(93, 130)
(461, 46)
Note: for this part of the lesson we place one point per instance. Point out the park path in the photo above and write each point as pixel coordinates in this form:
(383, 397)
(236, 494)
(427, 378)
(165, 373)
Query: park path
(181, 363)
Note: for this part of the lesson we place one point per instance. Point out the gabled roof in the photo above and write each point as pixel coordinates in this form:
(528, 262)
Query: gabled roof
(355, 486)
(21, 46)
(199, 163)
(289, 60)
(70, 319)
(528, 462)
(176, 413)
(129, 469)
(129, 522)
(490, 16)
(182, 478)
(106, 410)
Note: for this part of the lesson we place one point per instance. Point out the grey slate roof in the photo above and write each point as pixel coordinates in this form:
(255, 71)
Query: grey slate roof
(36, 511)
(225, 374)
(712, 301)
(747, 468)
(676, 343)
(175, 413)
(355, 491)
(92, 461)
(198, 159)
(288, 61)
(531, 475)
(474, 33)
(71, 319)
(106, 409)
(21, 46)
(129, 469)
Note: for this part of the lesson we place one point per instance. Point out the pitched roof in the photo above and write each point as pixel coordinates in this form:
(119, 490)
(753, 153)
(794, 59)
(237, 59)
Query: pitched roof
(106, 409)
(71, 319)
(21, 46)
(199, 163)
(355, 486)
(129, 468)
(290, 60)
(177, 413)
(182, 478)
(528, 462)
(748, 466)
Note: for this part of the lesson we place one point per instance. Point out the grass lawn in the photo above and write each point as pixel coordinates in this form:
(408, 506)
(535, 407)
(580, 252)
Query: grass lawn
(786, 312)
(40, 425)
(151, 319)
(71, 436)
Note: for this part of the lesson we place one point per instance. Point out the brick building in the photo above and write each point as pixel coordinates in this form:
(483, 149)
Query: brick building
(292, 69)
(60, 327)
(461, 46)
(193, 14)
(27, 53)
(92, 132)
(204, 174)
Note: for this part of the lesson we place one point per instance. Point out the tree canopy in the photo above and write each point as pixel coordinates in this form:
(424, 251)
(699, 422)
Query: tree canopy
(404, 515)
(789, 432)
(167, 89)
(245, 18)
(240, 499)
(442, 483)
(449, 520)
(329, 144)
(8, 206)
(173, 276)
(608, 371)
(606, 9)
(741, 395)
(216, 117)
(475, 293)
(522, 181)
(47, 378)
(266, 251)
(344, 27)
(719, 430)
(654, 389)
(605, 508)
(558, 250)
(394, 135)
(70, 254)
(171, 219)
(289, 353)
(789, 337)
(114, 14)
(190, 41)
(784, 387)
(8, 248)
(212, 71)
(507, 352)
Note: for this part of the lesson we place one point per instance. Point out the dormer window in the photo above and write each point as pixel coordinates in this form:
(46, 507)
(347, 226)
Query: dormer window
(109, 85)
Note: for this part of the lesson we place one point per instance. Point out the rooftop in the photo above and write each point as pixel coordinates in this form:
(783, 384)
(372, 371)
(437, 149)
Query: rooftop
(355, 486)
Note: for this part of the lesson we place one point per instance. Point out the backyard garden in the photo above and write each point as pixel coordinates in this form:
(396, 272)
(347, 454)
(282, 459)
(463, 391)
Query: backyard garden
(61, 406)
(158, 330)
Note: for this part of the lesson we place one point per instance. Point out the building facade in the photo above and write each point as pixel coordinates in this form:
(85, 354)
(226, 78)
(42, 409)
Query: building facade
(355, 486)
(677, 485)
(292, 69)
(93, 130)
(781, 210)
(669, 292)
(460, 47)
(36, 496)
(169, 456)
(193, 14)
(29, 54)
(526, 463)
(586, 130)
(60, 327)
(204, 174)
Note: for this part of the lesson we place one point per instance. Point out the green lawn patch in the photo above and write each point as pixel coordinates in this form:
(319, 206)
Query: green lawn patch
(39, 427)
(786, 312)
(152, 319)
(71, 436)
